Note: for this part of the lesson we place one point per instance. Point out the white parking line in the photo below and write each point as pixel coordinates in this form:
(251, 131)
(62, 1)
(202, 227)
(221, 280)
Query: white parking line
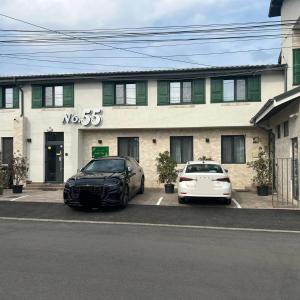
(159, 200)
(19, 198)
(236, 203)
(152, 225)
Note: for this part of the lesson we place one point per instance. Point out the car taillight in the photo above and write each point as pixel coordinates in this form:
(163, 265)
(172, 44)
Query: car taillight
(185, 179)
(224, 179)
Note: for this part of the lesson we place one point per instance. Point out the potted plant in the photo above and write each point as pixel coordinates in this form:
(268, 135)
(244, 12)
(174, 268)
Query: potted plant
(262, 167)
(166, 171)
(2, 180)
(19, 168)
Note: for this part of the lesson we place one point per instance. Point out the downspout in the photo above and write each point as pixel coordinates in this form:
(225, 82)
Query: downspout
(285, 78)
(22, 101)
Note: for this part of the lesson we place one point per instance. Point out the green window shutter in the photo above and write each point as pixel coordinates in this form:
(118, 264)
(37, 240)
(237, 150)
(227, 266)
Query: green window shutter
(141, 93)
(37, 96)
(1, 97)
(198, 91)
(108, 93)
(216, 90)
(15, 97)
(296, 66)
(163, 92)
(68, 91)
(253, 89)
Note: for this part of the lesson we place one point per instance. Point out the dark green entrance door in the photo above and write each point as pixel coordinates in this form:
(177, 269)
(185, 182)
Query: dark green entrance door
(54, 157)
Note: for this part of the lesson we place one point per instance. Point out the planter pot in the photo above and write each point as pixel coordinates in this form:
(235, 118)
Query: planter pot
(17, 189)
(263, 190)
(169, 188)
(1, 190)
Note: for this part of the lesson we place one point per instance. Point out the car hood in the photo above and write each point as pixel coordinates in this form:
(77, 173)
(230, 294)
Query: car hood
(84, 175)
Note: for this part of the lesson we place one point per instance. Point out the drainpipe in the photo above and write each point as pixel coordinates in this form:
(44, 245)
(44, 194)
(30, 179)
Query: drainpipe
(22, 101)
(285, 78)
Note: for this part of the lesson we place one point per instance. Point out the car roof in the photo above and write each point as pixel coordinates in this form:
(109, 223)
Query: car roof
(109, 157)
(203, 162)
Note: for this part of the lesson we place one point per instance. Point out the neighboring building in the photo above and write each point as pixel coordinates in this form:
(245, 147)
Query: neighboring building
(280, 115)
(191, 113)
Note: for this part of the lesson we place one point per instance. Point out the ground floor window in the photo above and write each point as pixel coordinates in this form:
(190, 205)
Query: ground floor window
(181, 148)
(233, 149)
(128, 146)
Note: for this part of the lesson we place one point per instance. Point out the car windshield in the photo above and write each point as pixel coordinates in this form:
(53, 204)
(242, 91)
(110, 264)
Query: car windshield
(204, 168)
(105, 166)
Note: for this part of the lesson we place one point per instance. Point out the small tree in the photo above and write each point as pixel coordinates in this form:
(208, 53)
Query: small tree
(166, 168)
(2, 180)
(19, 168)
(262, 167)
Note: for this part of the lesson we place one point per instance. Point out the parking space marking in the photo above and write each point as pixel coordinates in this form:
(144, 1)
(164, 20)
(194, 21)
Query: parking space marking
(152, 225)
(236, 203)
(14, 199)
(159, 200)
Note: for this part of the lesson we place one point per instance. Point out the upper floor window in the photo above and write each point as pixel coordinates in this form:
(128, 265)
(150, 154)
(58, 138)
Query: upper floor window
(53, 96)
(9, 97)
(181, 92)
(124, 93)
(235, 89)
(296, 66)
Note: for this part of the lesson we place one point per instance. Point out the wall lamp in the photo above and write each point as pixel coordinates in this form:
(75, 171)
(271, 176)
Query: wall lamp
(207, 140)
(99, 141)
(29, 140)
(154, 141)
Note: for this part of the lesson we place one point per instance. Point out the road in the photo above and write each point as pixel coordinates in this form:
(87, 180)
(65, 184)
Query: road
(69, 258)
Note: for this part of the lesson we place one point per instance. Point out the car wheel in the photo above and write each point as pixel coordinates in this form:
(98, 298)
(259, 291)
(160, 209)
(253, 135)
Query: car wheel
(227, 201)
(181, 200)
(142, 188)
(125, 197)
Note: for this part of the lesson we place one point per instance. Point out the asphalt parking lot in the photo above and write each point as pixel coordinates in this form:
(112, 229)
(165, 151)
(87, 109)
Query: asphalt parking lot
(157, 197)
(150, 197)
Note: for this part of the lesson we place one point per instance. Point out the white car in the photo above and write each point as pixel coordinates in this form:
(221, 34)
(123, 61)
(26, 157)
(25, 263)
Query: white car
(204, 179)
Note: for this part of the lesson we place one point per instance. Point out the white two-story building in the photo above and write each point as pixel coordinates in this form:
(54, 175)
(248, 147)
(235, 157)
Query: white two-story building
(59, 122)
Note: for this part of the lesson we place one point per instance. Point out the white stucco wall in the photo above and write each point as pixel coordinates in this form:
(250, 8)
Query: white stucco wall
(89, 95)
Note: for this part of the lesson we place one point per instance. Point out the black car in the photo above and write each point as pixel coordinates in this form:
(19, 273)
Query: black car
(107, 181)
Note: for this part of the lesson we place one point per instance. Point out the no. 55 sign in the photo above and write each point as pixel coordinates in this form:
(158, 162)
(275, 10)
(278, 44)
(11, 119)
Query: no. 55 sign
(90, 117)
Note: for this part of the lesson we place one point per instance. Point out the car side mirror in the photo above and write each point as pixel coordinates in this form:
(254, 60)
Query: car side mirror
(129, 170)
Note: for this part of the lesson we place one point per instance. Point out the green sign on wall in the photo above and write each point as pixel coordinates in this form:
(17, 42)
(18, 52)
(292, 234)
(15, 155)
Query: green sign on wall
(100, 151)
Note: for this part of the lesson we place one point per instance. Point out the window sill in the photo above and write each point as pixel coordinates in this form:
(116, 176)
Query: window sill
(181, 105)
(124, 107)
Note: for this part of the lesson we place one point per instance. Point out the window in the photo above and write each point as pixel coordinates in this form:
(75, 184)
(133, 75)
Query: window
(9, 98)
(186, 91)
(278, 129)
(286, 128)
(53, 96)
(234, 90)
(126, 94)
(180, 92)
(203, 168)
(181, 149)
(128, 146)
(233, 149)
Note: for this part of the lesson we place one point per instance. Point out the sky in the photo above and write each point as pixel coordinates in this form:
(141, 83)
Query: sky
(19, 59)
